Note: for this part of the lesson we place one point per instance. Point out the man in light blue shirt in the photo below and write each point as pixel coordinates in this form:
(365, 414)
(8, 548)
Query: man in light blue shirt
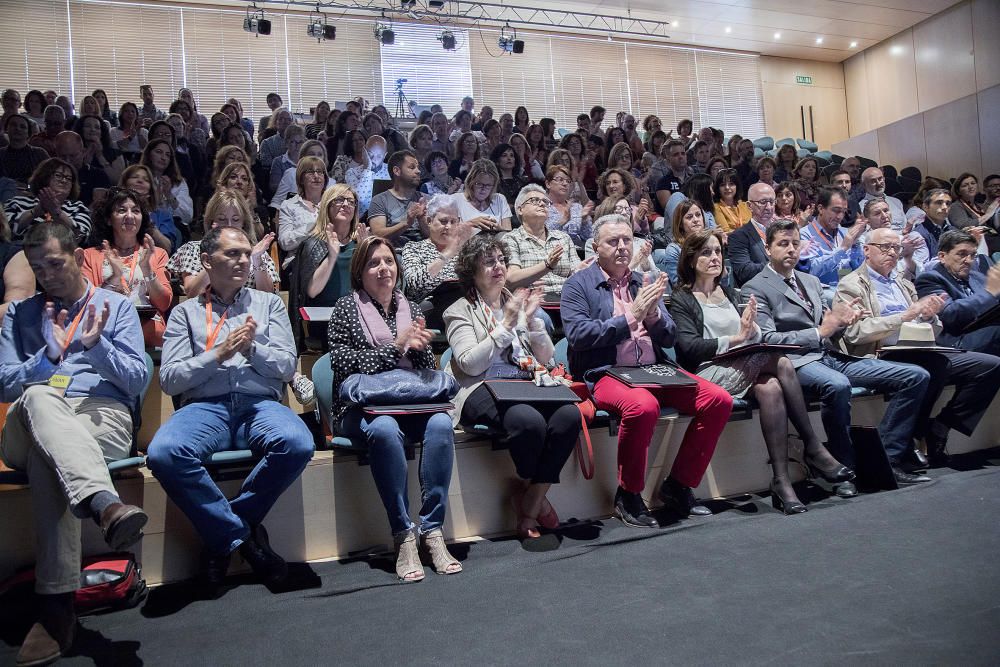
(72, 363)
(227, 355)
(873, 182)
(831, 248)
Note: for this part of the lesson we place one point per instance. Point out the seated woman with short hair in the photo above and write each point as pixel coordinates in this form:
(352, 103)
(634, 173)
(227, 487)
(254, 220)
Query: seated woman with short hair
(139, 179)
(127, 261)
(565, 214)
(54, 197)
(226, 208)
(375, 329)
(438, 180)
(490, 327)
(129, 137)
(428, 263)
(287, 186)
(708, 324)
(238, 176)
(297, 215)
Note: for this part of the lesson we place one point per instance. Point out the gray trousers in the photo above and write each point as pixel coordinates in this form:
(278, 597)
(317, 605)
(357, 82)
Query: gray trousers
(64, 445)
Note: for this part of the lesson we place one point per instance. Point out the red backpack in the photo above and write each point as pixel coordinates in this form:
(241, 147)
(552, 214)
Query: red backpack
(108, 581)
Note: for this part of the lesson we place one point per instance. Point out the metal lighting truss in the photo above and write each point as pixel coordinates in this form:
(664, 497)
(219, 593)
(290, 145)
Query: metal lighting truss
(504, 14)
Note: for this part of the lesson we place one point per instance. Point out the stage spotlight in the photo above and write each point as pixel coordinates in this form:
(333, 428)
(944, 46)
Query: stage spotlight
(384, 34)
(322, 31)
(256, 23)
(447, 39)
(518, 46)
(509, 42)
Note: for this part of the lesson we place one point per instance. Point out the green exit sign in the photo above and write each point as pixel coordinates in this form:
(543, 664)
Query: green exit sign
(805, 80)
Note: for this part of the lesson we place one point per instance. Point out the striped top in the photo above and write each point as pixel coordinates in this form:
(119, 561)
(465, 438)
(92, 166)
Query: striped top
(76, 210)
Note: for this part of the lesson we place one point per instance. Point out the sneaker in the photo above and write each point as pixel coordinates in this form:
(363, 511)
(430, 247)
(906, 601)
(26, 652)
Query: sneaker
(632, 511)
(304, 390)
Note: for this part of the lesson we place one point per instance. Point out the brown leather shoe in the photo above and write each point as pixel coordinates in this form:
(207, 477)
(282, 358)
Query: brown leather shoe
(122, 525)
(52, 635)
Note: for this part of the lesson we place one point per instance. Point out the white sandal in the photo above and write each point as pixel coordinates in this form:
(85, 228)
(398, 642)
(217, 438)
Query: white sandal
(408, 566)
(444, 562)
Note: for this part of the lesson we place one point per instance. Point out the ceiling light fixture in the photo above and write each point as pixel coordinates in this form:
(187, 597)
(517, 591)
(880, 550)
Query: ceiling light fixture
(728, 30)
(255, 22)
(819, 40)
(447, 39)
(854, 45)
(777, 35)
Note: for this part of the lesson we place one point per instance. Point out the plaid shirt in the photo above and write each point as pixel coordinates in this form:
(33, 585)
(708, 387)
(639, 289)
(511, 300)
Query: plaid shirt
(526, 251)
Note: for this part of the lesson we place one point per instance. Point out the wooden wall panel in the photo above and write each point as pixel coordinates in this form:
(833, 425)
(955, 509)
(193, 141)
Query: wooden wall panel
(856, 89)
(901, 143)
(952, 133)
(892, 80)
(985, 20)
(945, 67)
(989, 129)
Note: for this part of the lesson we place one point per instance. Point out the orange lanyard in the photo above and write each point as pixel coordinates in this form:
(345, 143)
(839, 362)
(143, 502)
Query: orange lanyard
(759, 233)
(821, 236)
(212, 334)
(127, 284)
(76, 321)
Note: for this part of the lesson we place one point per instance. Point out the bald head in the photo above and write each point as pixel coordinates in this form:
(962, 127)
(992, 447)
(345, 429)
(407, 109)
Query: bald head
(760, 198)
(69, 147)
(852, 166)
(882, 250)
(873, 181)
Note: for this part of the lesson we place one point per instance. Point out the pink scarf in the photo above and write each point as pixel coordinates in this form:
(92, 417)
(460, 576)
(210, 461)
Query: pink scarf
(376, 329)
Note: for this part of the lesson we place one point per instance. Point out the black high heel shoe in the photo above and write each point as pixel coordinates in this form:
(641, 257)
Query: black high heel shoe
(839, 473)
(786, 506)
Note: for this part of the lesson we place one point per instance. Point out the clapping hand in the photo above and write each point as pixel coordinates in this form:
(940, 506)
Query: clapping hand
(362, 232)
(641, 256)
(748, 323)
(148, 246)
(54, 332)
(261, 247)
(114, 260)
(485, 223)
(512, 309)
(647, 299)
(842, 314)
(332, 240)
(531, 303)
(93, 325)
(417, 337)
(554, 255)
(239, 340)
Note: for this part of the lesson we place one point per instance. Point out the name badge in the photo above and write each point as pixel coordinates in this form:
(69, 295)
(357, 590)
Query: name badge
(59, 381)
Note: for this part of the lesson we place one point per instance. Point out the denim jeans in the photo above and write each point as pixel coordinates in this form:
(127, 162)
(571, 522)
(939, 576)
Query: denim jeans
(384, 435)
(832, 377)
(200, 429)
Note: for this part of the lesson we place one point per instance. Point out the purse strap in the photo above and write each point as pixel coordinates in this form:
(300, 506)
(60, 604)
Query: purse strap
(584, 447)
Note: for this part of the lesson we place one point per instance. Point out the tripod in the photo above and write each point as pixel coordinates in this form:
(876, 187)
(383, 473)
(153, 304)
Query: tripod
(402, 104)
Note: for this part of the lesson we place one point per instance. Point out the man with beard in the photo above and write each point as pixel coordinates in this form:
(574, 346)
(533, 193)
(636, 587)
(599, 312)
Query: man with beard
(873, 182)
(396, 213)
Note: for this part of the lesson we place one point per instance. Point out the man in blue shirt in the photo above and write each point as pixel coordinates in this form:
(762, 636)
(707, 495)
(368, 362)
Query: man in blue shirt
(72, 363)
(829, 247)
(227, 355)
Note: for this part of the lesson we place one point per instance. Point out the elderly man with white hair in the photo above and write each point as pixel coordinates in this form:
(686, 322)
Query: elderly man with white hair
(873, 182)
(914, 254)
(888, 301)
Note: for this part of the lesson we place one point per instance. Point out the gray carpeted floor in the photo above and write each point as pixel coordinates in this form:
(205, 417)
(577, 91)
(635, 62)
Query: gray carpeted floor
(909, 576)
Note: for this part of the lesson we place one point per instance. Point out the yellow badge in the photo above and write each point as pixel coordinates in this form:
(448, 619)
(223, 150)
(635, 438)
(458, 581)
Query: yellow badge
(59, 381)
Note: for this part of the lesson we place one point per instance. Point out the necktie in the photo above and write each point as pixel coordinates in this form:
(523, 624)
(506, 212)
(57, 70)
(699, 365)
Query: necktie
(794, 284)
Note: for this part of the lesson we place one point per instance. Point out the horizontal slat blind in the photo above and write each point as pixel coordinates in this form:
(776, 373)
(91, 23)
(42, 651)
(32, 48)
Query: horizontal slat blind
(505, 81)
(335, 71)
(119, 47)
(729, 91)
(663, 82)
(223, 61)
(34, 51)
(587, 72)
(434, 76)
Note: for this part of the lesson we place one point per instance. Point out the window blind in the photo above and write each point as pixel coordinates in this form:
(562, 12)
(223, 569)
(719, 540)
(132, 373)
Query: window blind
(34, 51)
(119, 47)
(587, 72)
(434, 76)
(335, 71)
(662, 82)
(729, 93)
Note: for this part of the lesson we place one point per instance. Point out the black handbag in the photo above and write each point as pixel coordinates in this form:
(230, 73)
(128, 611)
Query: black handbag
(400, 386)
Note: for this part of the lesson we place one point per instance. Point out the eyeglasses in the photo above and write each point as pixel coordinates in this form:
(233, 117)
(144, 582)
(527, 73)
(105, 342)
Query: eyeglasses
(762, 202)
(887, 248)
(560, 179)
(537, 201)
(345, 201)
(491, 262)
(314, 172)
(483, 186)
(62, 177)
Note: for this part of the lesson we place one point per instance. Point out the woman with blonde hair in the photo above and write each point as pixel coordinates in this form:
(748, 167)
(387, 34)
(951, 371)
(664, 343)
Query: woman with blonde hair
(322, 274)
(226, 208)
(479, 203)
(237, 176)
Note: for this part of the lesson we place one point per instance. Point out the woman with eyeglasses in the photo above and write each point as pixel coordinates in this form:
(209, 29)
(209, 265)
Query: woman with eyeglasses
(237, 176)
(479, 203)
(375, 329)
(226, 208)
(322, 273)
(127, 261)
(566, 215)
(54, 197)
(731, 211)
(708, 324)
(297, 215)
(428, 263)
(491, 327)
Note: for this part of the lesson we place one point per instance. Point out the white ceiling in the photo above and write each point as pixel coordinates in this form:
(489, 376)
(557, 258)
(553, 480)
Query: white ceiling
(753, 23)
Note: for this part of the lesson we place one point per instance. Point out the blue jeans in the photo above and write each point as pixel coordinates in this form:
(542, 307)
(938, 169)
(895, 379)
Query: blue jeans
(237, 421)
(384, 435)
(832, 377)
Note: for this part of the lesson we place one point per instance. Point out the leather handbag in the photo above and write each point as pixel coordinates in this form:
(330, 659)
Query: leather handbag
(400, 386)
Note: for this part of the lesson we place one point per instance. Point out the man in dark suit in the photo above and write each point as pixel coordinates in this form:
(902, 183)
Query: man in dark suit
(970, 293)
(746, 245)
(790, 311)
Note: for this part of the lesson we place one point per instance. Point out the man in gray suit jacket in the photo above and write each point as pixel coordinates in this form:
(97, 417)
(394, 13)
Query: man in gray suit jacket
(790, 311)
